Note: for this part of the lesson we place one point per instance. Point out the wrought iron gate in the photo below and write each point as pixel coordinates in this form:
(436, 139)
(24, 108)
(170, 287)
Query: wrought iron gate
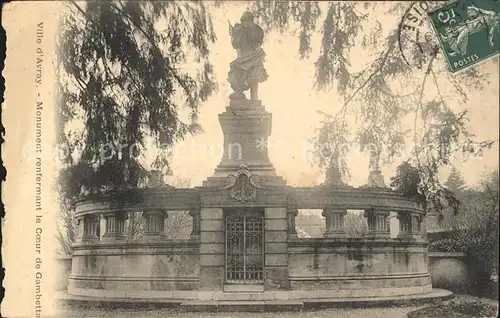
(244, 249)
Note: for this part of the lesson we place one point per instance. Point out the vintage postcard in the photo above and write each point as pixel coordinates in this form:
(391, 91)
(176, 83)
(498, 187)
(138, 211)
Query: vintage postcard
(251, 158)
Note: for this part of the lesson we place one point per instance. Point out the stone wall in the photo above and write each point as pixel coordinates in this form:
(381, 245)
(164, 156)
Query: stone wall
(211, 249)
(357, 268)
(449, 271)
(63, 263)
(135, 269)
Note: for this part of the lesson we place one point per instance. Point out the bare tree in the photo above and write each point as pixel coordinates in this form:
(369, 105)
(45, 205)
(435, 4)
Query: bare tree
(66, 227)
(136, 223)
(178, 224)
(355, 224)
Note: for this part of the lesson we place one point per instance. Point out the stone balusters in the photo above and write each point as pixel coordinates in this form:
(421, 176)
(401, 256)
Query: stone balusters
(409, 225)
(155, 224)
(334, 219)
(290, 218)
(195, 232)
(115, 226)
(404, 224)
(79, 228)
(378, 223)
(89, 228)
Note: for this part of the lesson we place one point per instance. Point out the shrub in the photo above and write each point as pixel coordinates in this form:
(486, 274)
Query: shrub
(456, 308)
(475, 232)
(447, 245)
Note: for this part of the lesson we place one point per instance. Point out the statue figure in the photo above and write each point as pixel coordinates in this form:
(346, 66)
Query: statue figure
(247, 70)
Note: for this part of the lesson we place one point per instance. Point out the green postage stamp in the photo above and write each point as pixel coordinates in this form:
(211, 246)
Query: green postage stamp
(468, 31)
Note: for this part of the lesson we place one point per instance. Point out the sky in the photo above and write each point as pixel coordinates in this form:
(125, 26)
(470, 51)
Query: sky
(293, 101)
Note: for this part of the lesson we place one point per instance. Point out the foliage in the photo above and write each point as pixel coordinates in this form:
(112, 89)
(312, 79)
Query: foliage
(136, 223)
(355, 225)
(455, 182)
(178, 224)
(384, 95)
(66, 227)
(121, 76)
(407, 180)
(456, 308)
(446, 245)
(68, 188)
(476, 232)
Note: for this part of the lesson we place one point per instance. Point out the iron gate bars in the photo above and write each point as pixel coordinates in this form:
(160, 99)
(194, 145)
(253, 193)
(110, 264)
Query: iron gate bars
(244, 249)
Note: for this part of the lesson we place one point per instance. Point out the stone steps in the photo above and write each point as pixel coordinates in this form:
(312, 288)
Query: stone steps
(260, 302)
(242, 306)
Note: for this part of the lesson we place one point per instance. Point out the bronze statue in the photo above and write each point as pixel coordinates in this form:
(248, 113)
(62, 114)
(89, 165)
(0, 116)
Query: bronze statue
(247, 70)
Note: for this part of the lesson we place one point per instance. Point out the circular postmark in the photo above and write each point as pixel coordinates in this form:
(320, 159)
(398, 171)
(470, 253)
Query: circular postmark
(418, 43)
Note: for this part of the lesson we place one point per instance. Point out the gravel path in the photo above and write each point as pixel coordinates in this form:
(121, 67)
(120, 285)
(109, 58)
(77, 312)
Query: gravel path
(395, 312)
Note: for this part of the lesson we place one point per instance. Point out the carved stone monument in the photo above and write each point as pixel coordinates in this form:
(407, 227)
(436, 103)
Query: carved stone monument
(244, 243)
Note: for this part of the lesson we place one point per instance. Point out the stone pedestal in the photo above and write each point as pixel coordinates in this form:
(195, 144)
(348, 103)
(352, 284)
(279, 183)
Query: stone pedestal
(79, 228)
(115, 226)
(195, 232)
(376, 179)
(333, 177)
(155, 224)
(291, 215)
(246, 127)
(378, 224)
(334, 219)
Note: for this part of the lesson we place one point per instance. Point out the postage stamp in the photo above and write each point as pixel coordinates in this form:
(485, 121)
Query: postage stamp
(468, 31)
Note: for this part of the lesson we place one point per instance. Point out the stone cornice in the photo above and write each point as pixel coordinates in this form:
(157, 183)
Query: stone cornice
(135, 244)
(351, 198)
(353, 243)
(139, 200)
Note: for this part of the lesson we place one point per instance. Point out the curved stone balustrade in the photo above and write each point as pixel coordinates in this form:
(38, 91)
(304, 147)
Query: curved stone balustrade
(156, 202)
(302, 198)
(108, 264)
